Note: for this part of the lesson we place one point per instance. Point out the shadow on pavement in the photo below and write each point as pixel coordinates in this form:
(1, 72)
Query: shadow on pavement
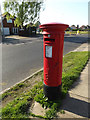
(11, 40)
(76, 106)
(14, 41)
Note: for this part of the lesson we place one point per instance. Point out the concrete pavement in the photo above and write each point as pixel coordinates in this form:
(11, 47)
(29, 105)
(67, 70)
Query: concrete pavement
(77, 101)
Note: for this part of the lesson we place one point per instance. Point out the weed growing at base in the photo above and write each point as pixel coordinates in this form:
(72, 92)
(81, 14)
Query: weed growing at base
(73, 64)
(15, 88)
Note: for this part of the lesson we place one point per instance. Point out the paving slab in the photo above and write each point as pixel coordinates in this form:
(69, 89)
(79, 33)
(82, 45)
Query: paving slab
(74, 107)
(77, 101)
(80, 87)
(81, 90)
(68, 115)
(37, 109)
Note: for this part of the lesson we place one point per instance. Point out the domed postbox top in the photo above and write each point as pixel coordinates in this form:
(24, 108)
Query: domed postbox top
(54, 26)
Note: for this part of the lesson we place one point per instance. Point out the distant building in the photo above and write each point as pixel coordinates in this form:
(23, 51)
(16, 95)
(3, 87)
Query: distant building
(8, 26)
(83, 27)
(28, 30)
(73, 27)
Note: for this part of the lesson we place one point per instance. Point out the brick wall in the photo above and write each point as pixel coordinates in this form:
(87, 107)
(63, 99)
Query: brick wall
(9, 25)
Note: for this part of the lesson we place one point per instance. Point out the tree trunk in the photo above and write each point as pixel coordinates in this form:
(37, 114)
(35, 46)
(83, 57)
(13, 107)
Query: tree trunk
(21, 25)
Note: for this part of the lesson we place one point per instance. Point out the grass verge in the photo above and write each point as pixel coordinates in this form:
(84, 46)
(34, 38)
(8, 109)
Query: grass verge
(21, 88)
(73, 64)
(75, 32)
(19, 107)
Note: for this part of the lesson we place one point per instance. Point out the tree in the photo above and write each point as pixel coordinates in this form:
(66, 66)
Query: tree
(73, 26)
(25, 11)
(37, 24)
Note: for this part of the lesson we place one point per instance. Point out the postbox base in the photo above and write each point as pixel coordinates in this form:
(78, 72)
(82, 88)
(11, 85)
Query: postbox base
(52, 92)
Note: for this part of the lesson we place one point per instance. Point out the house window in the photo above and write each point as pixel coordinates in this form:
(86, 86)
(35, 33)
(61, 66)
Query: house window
(9, 21)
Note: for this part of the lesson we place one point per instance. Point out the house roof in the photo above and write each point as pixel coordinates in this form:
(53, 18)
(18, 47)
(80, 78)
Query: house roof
(7, 13)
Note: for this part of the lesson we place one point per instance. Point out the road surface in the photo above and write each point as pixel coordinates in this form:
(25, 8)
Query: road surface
(22, 57)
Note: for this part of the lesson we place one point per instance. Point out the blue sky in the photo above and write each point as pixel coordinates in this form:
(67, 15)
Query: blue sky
(65, 11)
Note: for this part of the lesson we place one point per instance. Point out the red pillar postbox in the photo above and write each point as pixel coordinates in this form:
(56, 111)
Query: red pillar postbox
(53, 37)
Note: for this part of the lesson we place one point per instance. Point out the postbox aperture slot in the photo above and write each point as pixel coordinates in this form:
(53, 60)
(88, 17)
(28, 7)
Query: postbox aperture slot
(49, 39)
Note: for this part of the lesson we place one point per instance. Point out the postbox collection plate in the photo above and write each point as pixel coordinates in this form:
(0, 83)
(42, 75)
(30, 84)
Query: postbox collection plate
(48, 51)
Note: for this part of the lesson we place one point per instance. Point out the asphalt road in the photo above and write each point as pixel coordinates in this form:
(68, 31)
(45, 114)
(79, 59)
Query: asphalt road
(22, 57)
